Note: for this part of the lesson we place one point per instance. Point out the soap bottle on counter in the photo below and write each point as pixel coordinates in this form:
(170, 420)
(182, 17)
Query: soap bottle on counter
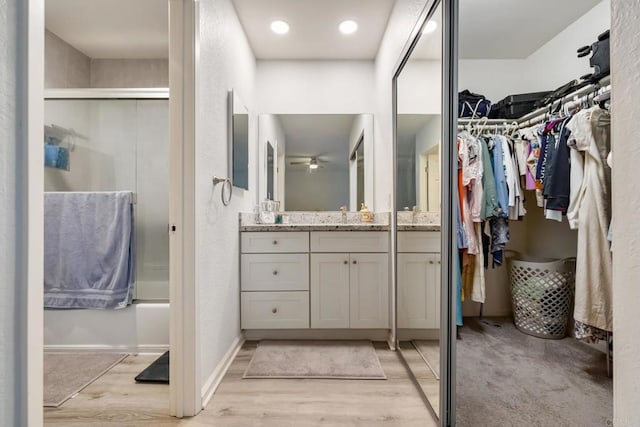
(365, 214)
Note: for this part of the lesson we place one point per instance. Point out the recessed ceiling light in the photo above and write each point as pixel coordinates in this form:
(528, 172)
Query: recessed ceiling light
(430, 27)
(279, 27)
(348, 27)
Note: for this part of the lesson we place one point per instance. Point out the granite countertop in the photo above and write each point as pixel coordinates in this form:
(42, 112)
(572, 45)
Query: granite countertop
(315, 227)
(338, 227)
(335, 221)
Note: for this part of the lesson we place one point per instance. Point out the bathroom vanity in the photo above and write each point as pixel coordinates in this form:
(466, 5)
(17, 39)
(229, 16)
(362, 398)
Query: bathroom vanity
(329, 275)
(308, 277)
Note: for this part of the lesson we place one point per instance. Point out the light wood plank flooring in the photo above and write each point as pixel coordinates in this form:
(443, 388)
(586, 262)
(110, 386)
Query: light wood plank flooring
(116, 399)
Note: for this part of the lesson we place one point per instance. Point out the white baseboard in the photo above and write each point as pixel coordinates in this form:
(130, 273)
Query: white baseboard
(107, 348)
(316, 334)
(211, 385)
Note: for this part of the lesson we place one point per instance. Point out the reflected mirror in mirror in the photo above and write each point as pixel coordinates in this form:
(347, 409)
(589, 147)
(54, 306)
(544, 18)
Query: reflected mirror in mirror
(322, 162)
(239, 141)
(418, 141)
(270, 171)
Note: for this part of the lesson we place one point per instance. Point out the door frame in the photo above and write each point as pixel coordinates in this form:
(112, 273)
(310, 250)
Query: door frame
(185, 398)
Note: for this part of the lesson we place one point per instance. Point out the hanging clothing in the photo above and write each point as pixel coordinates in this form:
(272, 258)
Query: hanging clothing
(557, 189)
(590, 130)
(490, 204)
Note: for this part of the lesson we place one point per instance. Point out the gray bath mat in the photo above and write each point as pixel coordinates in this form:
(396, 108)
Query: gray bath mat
(65, 374)
(315, 359)
(430, 352)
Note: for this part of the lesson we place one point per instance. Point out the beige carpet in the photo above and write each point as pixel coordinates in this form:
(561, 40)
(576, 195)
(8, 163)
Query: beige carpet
(65, 374)
(506, 378)
(315, 359)
(430, 352)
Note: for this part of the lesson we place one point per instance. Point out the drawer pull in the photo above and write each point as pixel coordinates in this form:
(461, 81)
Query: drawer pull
(274, 310)
(275, 242)
(275, 272)
(355, 262)
(345, 262)
(439, 262)
(430, 262)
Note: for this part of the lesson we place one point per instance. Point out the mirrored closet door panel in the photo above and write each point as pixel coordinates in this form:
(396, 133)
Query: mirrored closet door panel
(418, 205)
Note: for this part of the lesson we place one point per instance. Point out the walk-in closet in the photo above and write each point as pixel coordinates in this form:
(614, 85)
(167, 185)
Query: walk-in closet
(534, 215)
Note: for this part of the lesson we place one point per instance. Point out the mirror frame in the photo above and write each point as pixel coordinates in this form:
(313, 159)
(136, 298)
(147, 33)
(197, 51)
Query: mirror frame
(449, 190)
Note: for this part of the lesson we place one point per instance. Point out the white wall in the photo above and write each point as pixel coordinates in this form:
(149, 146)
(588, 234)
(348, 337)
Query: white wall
(625, 51)
(362, 126)
(494, 78)
(321, 190)
(420, 88)
(13, 274)
(314, 87)
(403, 17)
(225, 62)
(555, 63)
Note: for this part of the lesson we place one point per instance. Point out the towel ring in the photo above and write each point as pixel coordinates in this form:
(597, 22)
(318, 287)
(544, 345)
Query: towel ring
(226, 183)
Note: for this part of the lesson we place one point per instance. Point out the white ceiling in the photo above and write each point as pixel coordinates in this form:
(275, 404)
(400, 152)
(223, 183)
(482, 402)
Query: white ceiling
(314, 27)
(111, 28)
(506, 29)
(325, 136)
(498, 29)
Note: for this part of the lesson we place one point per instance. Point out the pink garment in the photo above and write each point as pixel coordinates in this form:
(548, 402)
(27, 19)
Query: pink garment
(530, 179)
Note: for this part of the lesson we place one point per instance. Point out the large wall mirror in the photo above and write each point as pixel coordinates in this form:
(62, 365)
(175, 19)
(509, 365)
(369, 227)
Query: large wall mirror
(418, 140)
(322, 162)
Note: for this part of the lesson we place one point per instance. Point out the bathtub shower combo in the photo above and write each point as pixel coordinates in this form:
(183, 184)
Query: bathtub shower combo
(106, 214)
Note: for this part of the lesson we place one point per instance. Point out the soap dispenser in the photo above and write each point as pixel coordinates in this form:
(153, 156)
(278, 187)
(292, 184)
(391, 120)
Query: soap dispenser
(365, 214)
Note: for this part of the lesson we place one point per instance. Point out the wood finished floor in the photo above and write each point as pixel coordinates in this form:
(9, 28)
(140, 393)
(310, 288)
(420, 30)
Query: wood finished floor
(115, 399)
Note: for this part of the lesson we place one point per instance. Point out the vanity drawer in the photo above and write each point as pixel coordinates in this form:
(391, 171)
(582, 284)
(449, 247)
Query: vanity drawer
(274, 242)
(350, 241)
(419, 241)
(275, 272)
(275, 310)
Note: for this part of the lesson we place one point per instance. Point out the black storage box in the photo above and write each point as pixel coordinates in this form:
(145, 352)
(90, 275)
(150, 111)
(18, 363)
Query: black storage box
(516, 106)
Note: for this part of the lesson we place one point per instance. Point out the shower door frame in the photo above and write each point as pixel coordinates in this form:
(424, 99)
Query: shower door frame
(185, 396)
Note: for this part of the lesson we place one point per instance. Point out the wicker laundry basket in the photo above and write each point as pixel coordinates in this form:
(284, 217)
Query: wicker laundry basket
(542, 295)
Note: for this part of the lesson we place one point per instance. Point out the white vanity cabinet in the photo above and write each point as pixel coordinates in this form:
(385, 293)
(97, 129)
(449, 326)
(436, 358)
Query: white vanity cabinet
(274, 280)
(419, 279)
(349, 289)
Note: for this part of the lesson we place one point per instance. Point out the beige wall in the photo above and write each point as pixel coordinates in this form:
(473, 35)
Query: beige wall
(625, 51)
(67, 67)
(134, 73)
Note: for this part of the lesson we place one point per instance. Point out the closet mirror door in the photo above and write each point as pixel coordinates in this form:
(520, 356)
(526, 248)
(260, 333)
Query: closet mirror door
(418, 199)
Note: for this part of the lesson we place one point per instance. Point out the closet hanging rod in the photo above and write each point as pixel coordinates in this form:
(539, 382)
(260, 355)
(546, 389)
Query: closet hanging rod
(604, 83)
(541, 115)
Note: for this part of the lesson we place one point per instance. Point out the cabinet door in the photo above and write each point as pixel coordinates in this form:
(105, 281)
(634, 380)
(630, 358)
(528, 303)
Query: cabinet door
(413, 274)
(369, 291)
(329, 291)
(419, 291)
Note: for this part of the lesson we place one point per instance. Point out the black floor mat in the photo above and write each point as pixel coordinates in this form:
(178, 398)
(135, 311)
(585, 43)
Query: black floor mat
(157, 372)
